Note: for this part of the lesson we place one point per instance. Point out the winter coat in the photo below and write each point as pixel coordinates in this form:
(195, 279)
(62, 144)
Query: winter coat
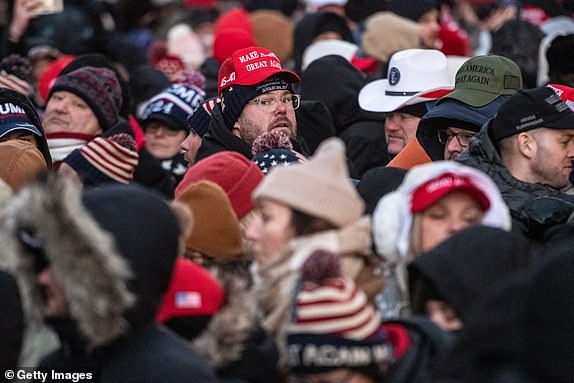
(464, 266)
(12, 328)
(361, 131)
(278, 279)
(234, 342)
(523, 329)
(533, 207)
(112, 251)
(219, 138)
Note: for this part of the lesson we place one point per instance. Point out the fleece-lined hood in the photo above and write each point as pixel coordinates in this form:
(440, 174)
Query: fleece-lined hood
(47, 219)
(392, 218)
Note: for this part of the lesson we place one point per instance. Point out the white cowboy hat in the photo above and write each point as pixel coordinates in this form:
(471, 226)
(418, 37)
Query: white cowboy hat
(415, 75)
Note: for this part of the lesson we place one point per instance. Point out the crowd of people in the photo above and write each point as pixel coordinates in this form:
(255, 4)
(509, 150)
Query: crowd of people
(317, 191)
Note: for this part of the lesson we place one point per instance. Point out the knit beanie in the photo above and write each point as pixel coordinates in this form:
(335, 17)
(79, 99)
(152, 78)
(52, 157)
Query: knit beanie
(274, 31)
(192, 291)
(320, 187)
(236, 175)
(98, 87)
(227, 41)
(412, 10)
(50, 75)
(216, 232)
(21, 162)
(173, 106)
(200, 119)
(104, 160)
(386, 33)
(333, 322)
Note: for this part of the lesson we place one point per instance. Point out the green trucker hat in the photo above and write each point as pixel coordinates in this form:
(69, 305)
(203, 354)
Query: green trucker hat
(481, 79)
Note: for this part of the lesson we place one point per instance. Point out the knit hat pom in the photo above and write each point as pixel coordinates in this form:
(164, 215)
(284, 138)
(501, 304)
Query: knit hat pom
(270, 140)
(124, 140)
(321, 266)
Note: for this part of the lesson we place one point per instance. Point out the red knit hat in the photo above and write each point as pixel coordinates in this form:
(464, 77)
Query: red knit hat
(236, 175)
(229, 40)
(237, 18)
(193, 291)
(50, 74)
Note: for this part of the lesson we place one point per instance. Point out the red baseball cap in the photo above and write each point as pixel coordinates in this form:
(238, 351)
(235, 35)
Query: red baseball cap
(250, 66)
(433, 190)
(193, 291)
(565, 93)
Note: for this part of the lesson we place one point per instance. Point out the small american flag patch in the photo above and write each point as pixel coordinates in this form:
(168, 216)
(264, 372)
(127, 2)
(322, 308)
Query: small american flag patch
(187, 300)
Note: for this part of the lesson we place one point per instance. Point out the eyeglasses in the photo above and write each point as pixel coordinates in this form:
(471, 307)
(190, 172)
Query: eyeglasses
(463, 138)
(267, 103)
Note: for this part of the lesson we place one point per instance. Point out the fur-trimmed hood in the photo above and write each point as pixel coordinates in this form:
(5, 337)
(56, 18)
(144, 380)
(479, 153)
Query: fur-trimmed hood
(48, 220)
(234, 341)
(392, 219)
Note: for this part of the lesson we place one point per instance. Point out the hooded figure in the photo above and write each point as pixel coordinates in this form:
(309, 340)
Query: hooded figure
(461, 269)
(104, 262)
(521, 331)
(311, 26)
(18, 114)
(361, 131)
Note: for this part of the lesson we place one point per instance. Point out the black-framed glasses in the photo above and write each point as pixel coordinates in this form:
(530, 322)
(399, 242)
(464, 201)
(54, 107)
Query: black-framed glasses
(463, 138)
(268, 103)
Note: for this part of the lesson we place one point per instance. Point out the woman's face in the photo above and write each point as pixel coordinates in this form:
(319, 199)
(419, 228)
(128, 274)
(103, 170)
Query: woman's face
(269, 229)
(452, 213)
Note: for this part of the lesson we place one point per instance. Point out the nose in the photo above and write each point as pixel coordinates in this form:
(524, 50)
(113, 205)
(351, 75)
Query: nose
(457, 224)
(251, 231)
(391, 123)
(453, 146)
(186, 143)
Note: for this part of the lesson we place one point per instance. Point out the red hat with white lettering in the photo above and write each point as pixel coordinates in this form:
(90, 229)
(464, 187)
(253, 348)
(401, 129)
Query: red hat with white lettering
(566, 93)
(435, 189)
(250, 66)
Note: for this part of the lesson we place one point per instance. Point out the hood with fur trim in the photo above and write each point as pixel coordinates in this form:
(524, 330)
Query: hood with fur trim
(392, 218)
(47, 220)
(234, 341)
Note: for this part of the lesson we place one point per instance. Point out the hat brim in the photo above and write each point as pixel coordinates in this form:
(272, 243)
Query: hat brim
(12, 128)
(372, 97)
(566, 122)
(160, 117)
(474, 98)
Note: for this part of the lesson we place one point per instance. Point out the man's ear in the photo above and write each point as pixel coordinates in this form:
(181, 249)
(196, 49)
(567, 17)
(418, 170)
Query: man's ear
(527, 145)
(236, 131)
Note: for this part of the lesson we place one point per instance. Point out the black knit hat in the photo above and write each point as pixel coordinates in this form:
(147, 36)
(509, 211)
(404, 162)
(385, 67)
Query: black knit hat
(235, 97)
(98, 87)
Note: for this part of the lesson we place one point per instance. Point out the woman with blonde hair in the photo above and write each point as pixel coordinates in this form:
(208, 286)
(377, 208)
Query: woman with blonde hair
(433, 202)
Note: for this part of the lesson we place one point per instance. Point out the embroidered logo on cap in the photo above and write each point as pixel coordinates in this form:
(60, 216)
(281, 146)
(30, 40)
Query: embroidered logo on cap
(394, 76)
